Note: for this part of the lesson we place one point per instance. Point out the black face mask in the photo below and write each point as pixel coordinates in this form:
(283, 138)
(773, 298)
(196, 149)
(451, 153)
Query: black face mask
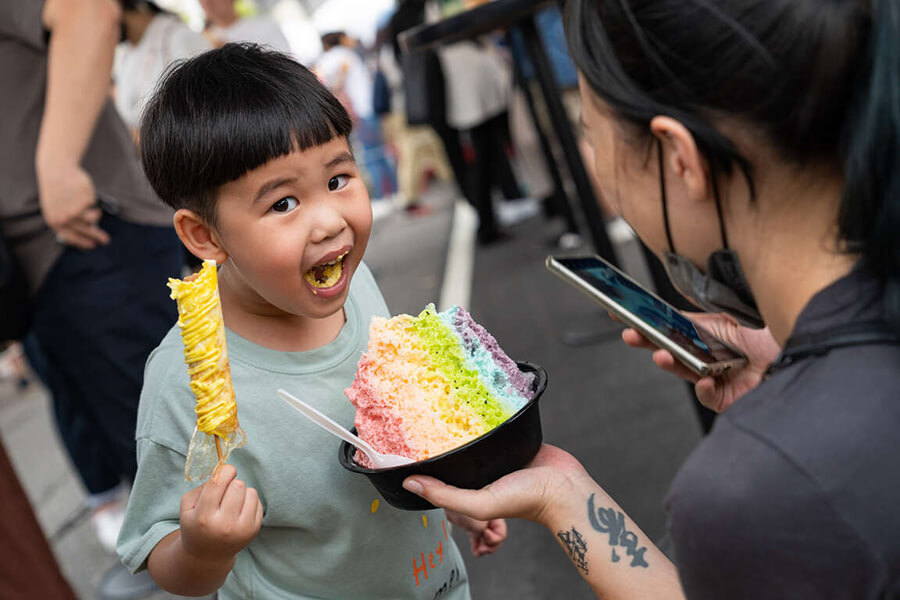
(723, 287)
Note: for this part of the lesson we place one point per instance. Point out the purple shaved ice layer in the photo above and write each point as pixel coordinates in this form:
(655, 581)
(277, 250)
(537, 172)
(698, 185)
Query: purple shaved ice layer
(472, 333)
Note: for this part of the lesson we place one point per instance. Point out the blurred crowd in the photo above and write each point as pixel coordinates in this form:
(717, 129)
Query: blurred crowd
(457, 114)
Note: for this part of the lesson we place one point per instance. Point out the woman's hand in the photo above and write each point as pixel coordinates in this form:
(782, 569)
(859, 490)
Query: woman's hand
(485, 536)
(525, 494)
(719, 392)
(556, 492)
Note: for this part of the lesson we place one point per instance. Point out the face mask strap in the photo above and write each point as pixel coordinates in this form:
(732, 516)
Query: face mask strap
(662, 194)
(665, 204)
(719, 213)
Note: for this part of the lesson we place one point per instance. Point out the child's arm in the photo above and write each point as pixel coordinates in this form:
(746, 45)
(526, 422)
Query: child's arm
(485, 537)
(218, 519)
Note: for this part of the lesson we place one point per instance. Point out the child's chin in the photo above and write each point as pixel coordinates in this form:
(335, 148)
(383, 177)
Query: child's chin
(320, 307)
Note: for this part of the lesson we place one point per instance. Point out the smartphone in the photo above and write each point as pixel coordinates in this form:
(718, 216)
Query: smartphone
(651, 316)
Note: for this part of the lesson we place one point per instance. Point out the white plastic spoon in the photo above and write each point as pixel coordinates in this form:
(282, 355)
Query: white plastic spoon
(381, 461)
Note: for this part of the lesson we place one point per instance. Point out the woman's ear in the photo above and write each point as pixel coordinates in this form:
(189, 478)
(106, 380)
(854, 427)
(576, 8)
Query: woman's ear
(199, 238)
(684, 161)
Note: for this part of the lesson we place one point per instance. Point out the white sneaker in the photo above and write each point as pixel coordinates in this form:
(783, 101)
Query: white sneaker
(569, 241)
(119, 584)
(511, 212)
(106, 522)
(12, 364)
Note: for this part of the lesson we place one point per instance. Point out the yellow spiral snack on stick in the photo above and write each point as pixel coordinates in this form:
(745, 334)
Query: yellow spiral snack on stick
(200, 317)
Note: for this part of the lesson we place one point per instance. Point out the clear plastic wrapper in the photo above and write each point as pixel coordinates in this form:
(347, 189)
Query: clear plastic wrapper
(203, 453)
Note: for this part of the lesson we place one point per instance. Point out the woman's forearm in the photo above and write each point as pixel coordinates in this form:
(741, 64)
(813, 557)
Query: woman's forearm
(178, 572)
(607, 548)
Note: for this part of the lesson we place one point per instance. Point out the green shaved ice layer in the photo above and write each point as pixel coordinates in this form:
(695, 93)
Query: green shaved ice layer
(443, 347)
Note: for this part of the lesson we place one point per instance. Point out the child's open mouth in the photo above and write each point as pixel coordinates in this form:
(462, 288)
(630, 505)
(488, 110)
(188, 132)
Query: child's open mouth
(326, 274)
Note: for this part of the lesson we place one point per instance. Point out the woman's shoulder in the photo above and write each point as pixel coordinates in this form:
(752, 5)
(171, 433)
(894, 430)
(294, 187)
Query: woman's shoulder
(841, 404)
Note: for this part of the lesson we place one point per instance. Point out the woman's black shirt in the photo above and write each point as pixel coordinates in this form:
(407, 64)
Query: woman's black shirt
(795, 494)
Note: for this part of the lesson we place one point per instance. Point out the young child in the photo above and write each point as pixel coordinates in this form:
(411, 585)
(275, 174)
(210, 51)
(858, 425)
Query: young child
(252, 152)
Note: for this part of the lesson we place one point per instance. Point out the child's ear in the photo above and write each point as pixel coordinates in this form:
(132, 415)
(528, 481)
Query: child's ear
(201, 239)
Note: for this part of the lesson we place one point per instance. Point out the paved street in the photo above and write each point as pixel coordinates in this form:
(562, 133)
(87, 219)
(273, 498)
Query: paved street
(630, 424)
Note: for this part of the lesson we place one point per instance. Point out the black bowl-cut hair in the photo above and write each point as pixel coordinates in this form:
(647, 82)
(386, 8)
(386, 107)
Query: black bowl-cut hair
(226, 112)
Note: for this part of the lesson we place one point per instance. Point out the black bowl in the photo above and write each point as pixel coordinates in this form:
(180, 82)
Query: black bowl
(504, 449)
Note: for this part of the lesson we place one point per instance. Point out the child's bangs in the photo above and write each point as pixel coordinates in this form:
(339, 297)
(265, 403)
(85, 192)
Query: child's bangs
(261, 131)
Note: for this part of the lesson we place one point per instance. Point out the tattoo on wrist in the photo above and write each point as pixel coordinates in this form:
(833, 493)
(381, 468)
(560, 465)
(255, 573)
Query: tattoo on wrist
(611, 521)
(575, 545)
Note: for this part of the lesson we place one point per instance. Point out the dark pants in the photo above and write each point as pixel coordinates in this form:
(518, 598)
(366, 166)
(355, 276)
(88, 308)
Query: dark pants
(500, 142)
(489, 140)
(98, 316)
(453, 150)
(491, 167)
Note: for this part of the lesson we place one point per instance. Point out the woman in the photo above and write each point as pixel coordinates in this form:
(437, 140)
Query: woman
(753, 145)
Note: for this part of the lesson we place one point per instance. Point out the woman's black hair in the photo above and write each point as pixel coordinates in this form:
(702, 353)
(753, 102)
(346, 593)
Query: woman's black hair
(225, 112)
(821, 78)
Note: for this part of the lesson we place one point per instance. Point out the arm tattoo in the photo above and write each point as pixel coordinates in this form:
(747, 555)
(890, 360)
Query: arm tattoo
(611, 521)
(575, 546)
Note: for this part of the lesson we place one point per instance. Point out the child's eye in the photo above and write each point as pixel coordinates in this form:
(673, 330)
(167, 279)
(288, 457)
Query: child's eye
(337, 182)
(286, 204)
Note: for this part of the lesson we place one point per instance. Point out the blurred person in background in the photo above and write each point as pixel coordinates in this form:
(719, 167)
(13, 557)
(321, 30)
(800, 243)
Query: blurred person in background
(224, 25)
(424, 96)
(461, 90)
(420, 154)
(755, 152)
(478, 90)
(92, 238)
(154, 39)
(348, 77)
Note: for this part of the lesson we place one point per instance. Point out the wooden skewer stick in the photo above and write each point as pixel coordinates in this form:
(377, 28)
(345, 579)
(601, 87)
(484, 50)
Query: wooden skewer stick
(218, 447)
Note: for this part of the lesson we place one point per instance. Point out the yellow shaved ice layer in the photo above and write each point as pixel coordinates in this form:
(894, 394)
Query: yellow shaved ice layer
(468, 391)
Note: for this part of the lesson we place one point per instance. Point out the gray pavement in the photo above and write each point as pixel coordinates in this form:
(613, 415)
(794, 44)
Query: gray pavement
(631, 425)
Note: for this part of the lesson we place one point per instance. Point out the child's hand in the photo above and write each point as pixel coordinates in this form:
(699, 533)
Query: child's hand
(219, 518)
(485, 536)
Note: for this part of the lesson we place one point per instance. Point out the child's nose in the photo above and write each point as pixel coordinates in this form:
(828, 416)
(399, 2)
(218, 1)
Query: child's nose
(328, 223)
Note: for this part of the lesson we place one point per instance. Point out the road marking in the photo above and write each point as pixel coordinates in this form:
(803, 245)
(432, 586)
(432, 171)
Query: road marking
(457, 285)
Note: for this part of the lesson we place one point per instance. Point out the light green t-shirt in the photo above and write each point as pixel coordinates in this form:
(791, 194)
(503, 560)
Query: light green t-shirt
(326, 532)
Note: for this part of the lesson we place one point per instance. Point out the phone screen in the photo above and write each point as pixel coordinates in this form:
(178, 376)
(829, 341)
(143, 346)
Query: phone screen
(661, 316)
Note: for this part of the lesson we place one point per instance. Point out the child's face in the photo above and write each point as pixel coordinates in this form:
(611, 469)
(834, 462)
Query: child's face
(295, 230)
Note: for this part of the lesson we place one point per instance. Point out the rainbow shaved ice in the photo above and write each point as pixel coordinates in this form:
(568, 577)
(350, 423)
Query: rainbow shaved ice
(431, 383)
